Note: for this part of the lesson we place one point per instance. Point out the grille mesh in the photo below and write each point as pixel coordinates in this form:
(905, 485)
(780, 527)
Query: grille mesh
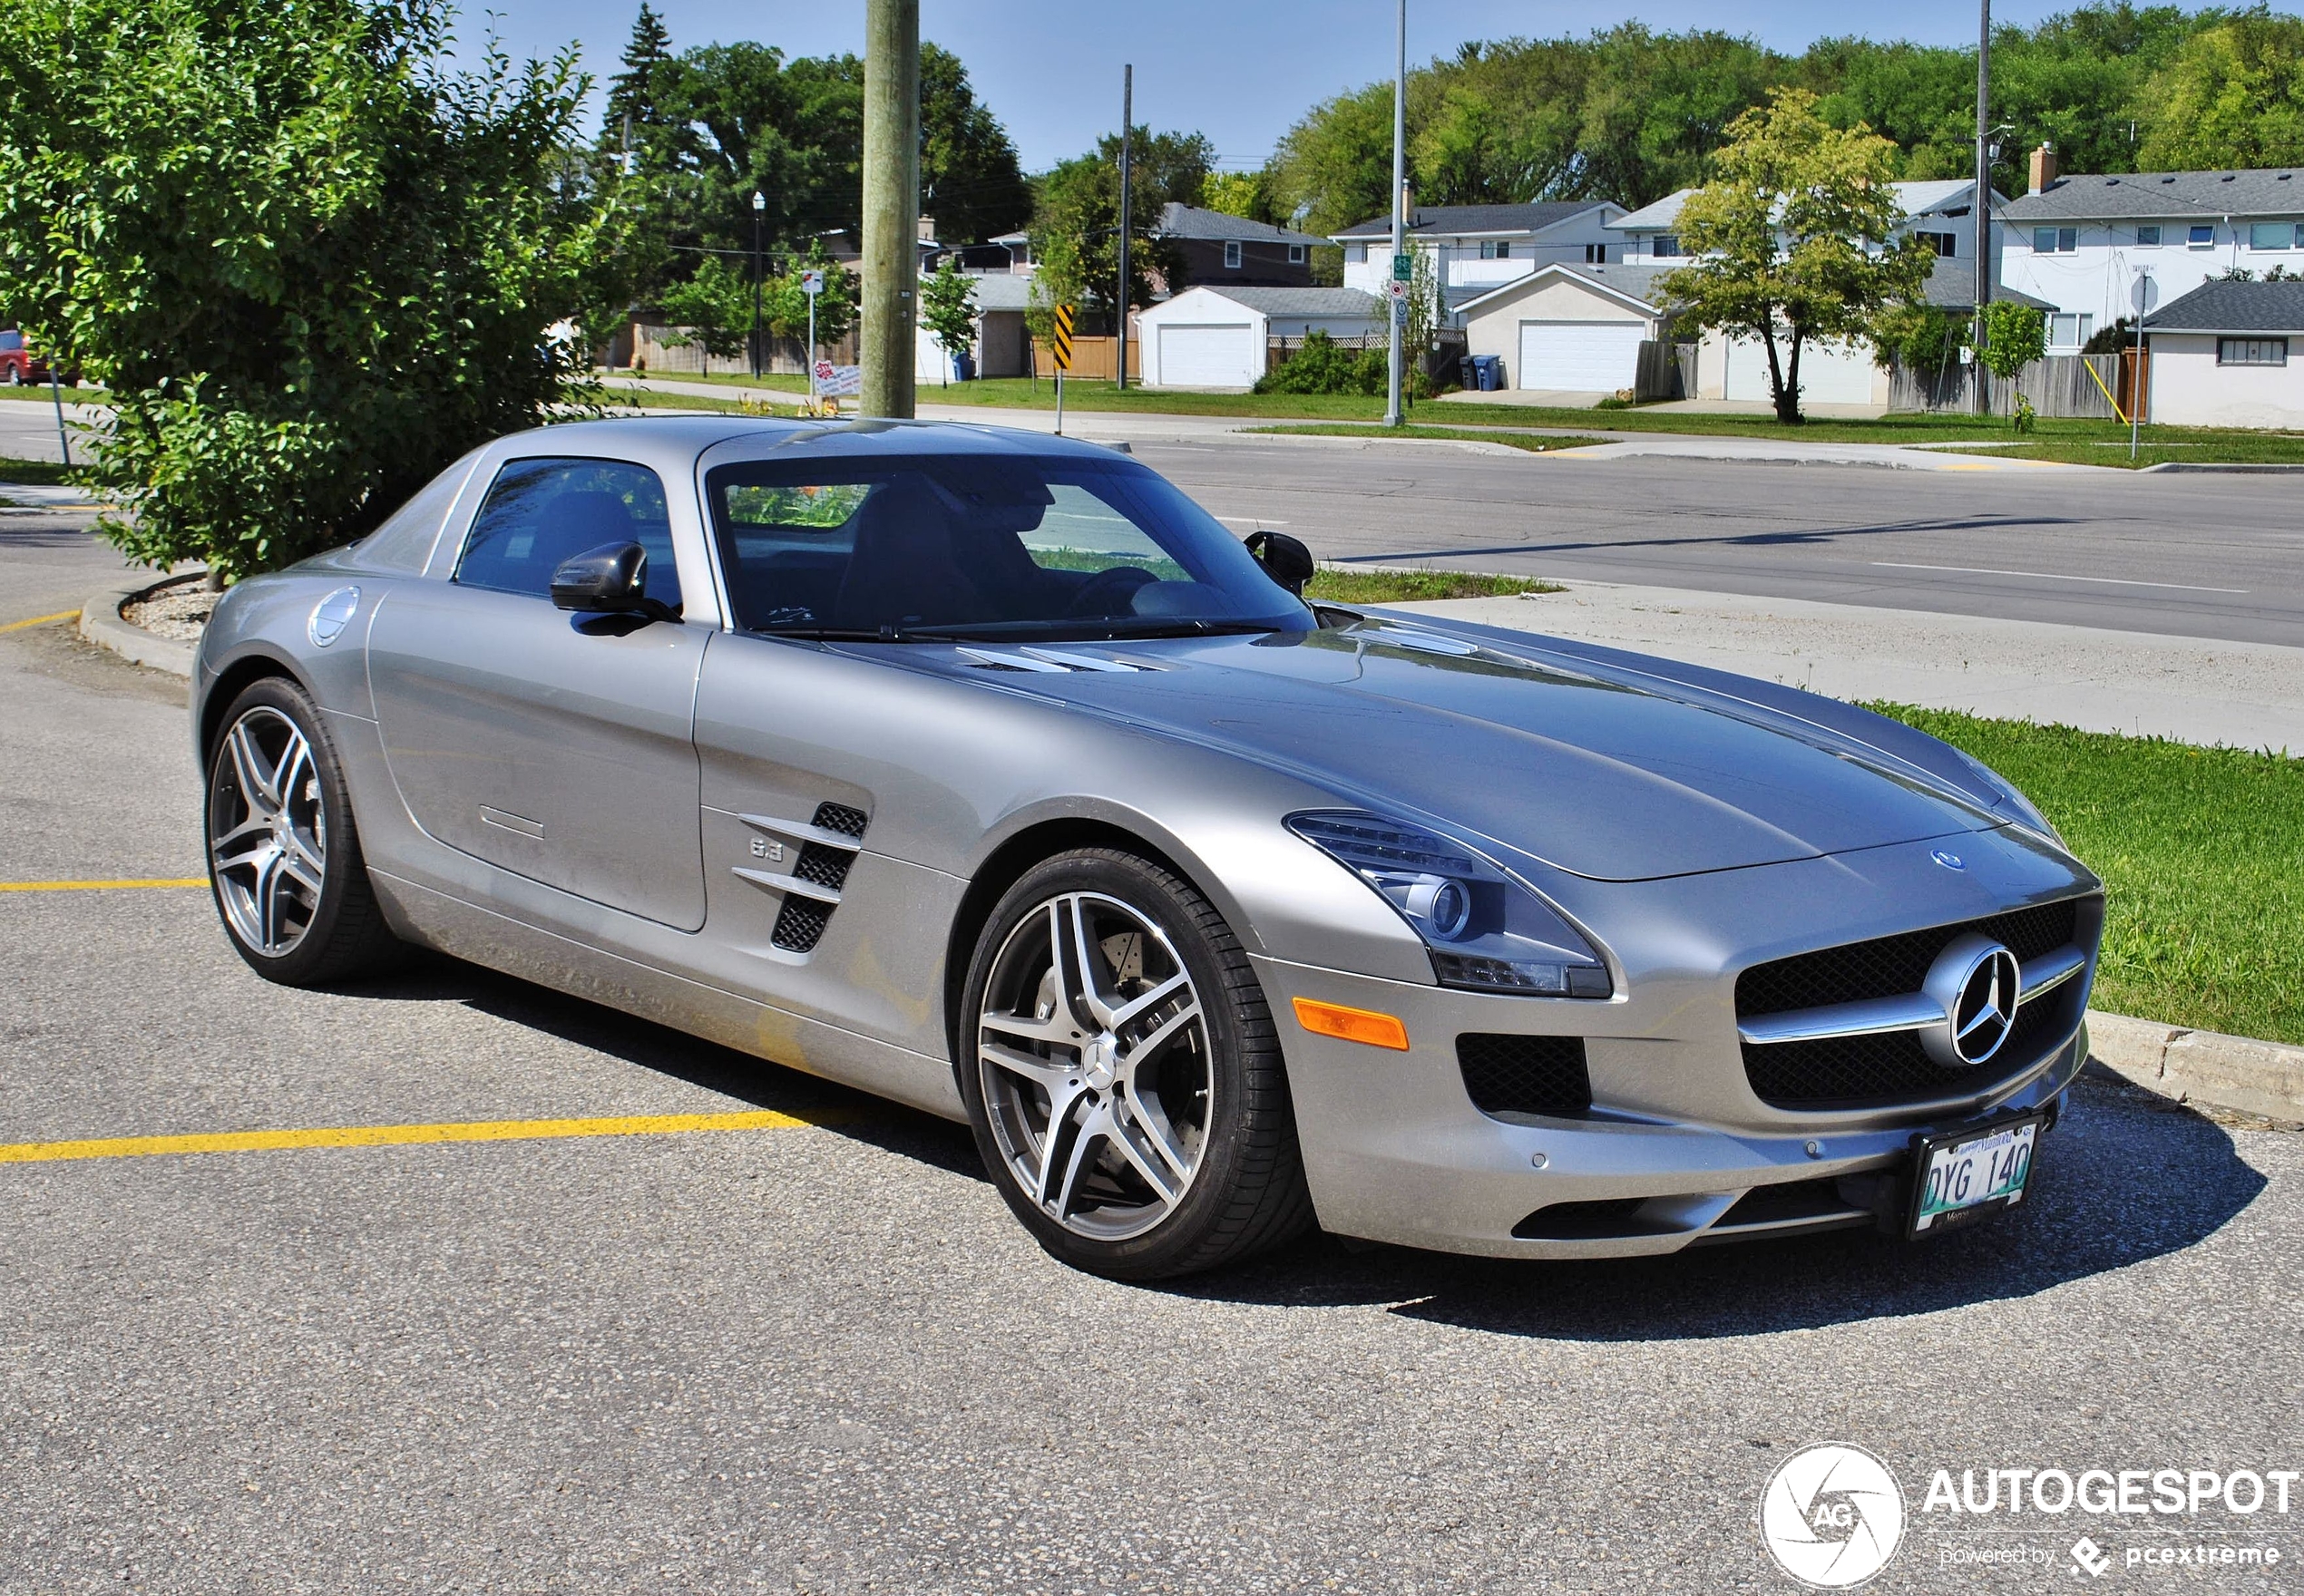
(839, 817)
(822, 866)
(1524, 1075)
(1880, 1072)
(800, 923)
(1890, 966)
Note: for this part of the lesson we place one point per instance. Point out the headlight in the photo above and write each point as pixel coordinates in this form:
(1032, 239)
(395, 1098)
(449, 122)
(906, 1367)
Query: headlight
(1485, 931)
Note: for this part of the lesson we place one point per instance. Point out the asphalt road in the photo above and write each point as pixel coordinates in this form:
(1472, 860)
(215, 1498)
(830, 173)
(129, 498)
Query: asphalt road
(824, 1358)
(2193, 554)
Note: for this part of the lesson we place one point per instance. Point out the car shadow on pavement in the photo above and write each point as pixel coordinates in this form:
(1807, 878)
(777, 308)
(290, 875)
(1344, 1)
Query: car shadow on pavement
(2128, 1177)
(431, 978)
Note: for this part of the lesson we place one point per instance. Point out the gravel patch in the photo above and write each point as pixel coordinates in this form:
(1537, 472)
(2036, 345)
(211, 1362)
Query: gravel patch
(177, 607)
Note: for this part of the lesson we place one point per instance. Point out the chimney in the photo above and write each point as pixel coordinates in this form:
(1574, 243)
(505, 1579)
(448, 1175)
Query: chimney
(928, 224)
(2044, 167)
(1408, 200)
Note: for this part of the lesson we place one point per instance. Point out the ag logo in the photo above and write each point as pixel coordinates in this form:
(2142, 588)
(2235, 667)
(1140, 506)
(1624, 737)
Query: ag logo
(1831, 1516)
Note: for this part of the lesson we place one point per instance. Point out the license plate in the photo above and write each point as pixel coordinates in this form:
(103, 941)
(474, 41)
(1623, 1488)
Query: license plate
(1961, 1176)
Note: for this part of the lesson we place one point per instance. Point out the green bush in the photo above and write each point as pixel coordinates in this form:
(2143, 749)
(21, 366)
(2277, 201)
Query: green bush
(1325, 366)
(311, 262)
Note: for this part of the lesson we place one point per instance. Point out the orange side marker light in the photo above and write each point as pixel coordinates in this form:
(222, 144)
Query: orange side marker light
(1354, 1024)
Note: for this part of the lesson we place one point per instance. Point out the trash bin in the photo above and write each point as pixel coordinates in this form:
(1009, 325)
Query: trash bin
(963, 367)
(1491, 372)
(1468, 373)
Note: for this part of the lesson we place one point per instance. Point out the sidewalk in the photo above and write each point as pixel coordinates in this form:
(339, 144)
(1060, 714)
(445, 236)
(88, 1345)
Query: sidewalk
(2244, 695)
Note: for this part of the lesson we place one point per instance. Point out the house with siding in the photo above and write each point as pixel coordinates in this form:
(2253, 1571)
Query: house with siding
(1477, 248)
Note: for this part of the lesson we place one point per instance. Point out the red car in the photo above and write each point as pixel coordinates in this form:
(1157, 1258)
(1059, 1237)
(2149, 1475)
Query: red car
(18, 364)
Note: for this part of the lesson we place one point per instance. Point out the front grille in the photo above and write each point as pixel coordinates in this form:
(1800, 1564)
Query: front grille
(1890, 966)
(1524, 1075)
(1882, 1071)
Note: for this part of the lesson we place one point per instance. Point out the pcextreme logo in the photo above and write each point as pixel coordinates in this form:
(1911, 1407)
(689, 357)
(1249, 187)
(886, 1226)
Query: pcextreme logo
(1833, 1516)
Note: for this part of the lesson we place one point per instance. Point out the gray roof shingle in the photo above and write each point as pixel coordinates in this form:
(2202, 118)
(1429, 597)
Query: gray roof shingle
(2232, 307)
(2272, 192)
(1952, 284)
(1179, 220)
(1476, 218)
(1315, 302)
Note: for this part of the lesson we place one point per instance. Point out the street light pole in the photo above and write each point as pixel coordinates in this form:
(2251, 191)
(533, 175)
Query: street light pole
(1982, 199)
(759, 205)
(1400, 212)
(1127, 126)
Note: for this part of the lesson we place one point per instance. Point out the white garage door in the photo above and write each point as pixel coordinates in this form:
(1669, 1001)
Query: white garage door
(1583, 355)
(1209, 355)
(1829, 373)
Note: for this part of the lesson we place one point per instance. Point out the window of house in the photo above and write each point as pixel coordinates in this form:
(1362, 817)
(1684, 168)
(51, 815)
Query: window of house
(1295, 255)
(2252, 351)
(2272, 235)
(2200, 237)
(1664, 247)
(1232, 254)
(2070, 331)
(2054, 240)
(1496, 249)
(1595, 255)
(2148, 238)
(1944, 244)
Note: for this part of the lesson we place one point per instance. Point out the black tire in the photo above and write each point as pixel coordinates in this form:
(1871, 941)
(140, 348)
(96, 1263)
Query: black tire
(1246, 1193)
(338, 933)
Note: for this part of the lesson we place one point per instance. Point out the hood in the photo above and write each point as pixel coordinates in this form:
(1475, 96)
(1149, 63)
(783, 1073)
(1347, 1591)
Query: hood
(1611, 775)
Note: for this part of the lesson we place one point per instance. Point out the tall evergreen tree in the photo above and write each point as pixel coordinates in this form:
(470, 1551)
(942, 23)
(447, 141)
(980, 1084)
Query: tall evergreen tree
(632, 92)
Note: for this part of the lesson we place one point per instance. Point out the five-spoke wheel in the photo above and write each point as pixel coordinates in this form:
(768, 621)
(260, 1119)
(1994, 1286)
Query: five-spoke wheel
(1122, 1073)
(282, 855)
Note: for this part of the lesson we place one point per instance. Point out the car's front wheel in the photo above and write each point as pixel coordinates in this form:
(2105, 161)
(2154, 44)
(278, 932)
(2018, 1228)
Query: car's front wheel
(1123, 1074)
(283, 858)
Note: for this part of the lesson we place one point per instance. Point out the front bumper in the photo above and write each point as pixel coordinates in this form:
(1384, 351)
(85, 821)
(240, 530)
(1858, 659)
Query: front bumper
(1395, 1151)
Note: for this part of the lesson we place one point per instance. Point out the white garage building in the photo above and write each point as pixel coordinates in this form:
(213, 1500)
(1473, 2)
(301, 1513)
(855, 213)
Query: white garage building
(1216, 337)
(1567, 328)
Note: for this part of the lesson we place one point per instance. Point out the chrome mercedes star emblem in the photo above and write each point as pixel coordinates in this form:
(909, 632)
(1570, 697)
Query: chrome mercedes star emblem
(1947, 859)
(1979, 983)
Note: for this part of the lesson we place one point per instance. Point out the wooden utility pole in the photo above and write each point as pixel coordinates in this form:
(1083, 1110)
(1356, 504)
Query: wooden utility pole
(890, 309)
(1127, 128)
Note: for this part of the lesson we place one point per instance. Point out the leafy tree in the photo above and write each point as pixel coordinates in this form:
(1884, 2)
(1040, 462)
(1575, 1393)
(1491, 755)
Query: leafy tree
(948, 310)
(1079, 208)
(1236, 193)
(1338, 161)
(970, 180)
(1919, 336)
(312, 263)
(1060, 280)
(2233, 96)
(2013, 337)
(712, 310)
(1795, 239)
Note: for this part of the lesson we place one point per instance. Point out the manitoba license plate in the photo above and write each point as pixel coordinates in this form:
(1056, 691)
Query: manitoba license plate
(1961, 1176)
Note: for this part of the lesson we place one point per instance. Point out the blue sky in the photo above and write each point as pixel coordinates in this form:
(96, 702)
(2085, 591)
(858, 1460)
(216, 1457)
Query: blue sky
(1241, 71)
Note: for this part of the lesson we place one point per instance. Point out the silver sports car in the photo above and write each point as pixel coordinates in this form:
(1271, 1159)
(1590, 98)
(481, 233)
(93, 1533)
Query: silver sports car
(984, 771)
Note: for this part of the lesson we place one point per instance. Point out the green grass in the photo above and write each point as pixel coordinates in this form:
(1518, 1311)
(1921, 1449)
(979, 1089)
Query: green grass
(43, 473)
(2235, 449)
(1345, 586)
(2201, 850)
(38, 394)
(1534, 443)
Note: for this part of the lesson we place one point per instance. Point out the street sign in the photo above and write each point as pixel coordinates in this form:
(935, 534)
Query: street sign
(1400, 309)
(1396, 288)
(1404, 266)
(838, 379)
(1059, 342)
(812, 283)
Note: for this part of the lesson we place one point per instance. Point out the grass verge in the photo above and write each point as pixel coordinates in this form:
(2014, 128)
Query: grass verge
(39, 393)
(1534, 443)
(1348, 585)
(2201, 850)
(2238, 449)
(43, 474)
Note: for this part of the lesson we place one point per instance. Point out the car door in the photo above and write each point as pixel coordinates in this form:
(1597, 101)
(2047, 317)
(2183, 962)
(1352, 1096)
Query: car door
(557, 746)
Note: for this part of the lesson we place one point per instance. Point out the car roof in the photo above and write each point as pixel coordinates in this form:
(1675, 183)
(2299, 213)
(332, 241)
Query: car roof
(659, 439)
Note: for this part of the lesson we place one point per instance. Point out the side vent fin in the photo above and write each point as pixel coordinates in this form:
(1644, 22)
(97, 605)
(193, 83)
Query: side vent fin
(800, 924)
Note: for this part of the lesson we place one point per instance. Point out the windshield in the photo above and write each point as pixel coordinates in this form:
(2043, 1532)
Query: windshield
(981, 545)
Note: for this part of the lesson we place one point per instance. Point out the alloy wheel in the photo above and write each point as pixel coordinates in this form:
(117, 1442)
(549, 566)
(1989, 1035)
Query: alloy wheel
(267, 844)
(1093, 1054)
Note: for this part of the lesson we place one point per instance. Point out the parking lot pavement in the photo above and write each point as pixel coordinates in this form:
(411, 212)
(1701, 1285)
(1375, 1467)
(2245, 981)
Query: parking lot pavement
(821, 1357)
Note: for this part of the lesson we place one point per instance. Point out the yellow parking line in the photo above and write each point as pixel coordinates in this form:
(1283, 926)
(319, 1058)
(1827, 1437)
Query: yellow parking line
(39, 620)
(99, 886)
(498, 1130)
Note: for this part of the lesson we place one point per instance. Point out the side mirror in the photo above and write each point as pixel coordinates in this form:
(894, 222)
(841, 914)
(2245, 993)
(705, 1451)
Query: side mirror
(611, 579)
(1285, 559)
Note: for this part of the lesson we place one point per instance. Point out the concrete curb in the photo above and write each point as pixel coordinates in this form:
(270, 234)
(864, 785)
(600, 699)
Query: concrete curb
(100, 624)
(2235, 1073)
(2265, 469)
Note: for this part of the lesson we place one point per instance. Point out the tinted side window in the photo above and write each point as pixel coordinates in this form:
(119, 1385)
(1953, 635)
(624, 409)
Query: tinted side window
(540, 513)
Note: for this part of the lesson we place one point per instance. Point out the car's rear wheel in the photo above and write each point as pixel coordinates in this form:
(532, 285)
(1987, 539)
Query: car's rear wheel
(283, 858)
(1123, 1074)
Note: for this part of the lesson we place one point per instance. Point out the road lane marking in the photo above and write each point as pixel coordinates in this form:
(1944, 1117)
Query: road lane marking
(2049, 576)
(496, 1130)
(100, 886)
(41, 620)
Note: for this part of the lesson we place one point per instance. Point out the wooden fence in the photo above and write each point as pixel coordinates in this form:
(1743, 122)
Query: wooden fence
(644, 345)
(2058, 385)
(1095, 357)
